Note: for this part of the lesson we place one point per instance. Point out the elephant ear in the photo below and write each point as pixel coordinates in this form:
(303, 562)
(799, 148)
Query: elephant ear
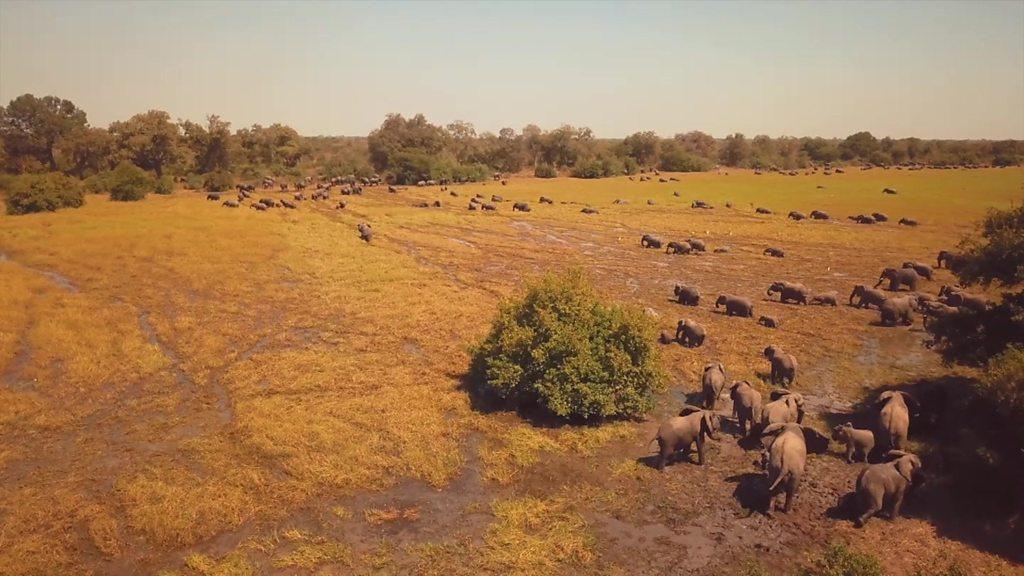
(894, 454)
(779, 393)
(884, 397)
(689, 409)
(798, 399)
(772, 429)
(906, 466)
(912, 401)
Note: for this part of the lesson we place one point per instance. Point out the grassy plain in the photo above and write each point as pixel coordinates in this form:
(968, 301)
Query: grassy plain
(191, 389)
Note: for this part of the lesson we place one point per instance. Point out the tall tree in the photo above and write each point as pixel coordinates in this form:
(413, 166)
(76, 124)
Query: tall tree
(150, 140)
(642, 147)
(31, 127)
(86, 151)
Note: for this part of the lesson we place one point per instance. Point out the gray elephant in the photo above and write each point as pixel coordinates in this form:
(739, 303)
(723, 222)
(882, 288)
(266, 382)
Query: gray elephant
(908, 222)
(650, 241)
(697, 244)
(898, 277)
(826, 299)
(785, 406)
(786, 446)
(231, 203)
(879, 217)
(867, 296)
(790, 292)
(591, 210)
(898, 310)
(546, 200)
(950, 259)
(858, 442)
(795, 215)
(784, 366)
(862, 219)
(923, 270)
(736, 305)
(763, 210)
(520, 207)
(689, 333)
(819, 215)
(746, 405)
(887, 482)
(774, 252)
(768, 322)
(894, 417)
(678, 248)
(712, 382)
(680, 432)
(365, 232)
(956, 297)
(687, 295)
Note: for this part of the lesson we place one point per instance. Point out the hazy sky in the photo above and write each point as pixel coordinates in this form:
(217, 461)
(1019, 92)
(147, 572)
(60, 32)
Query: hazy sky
(943, 70)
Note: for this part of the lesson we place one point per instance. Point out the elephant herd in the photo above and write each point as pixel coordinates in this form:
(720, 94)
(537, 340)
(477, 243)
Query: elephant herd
(786, 441)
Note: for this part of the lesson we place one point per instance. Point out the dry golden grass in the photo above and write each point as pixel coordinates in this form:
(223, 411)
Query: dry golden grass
(172, 371)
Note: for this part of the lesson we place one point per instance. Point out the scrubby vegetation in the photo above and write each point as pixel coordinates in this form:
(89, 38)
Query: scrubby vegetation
(128, 183)
(43, 193)
(564, 350)
(839, 560)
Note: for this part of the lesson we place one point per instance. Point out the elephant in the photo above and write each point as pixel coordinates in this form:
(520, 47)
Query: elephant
(700, 204)
(687, 295)
(952, 296)
(768, 322)
(712, 383)
(231, 203)
(437, 204)
(923, 270)
(857, 441)
(826, 299)
(867, 296)
(697, 244)
(392, 189)
(284, 187)
(774, 252)
(723, 250)
(678, 248)
(214, 196)
(496, 198)
(288, 204)
(680, 432)
(341, 205)
(689, 333)
(746, 405)
(888, 191)
(666, 337)
(862, 219)
(819, 215)
(521, 207)
(546, 200)
(885, 482)
(474, 206)
(650, 202)
(794, 215)
(650, 241)
(898, 310)
(258, 207)
(589, 210)
(488, 207)
(789, 291)
(894, 417)
(736, 305)
(421, 205)
(784, 366)
(761, 210)
(784, 406)
(268, 202)
(787, 446)
(299, 196)
(908, 222)
(951, 259)
(365, 232)
(620, 202)
(453, 193)
(879, 217)
(898, 277)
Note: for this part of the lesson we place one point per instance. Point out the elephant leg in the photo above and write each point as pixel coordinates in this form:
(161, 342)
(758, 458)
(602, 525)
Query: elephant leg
(897, 501)
(849, 454)
(790, 496)
(663, 457)
(700, 450)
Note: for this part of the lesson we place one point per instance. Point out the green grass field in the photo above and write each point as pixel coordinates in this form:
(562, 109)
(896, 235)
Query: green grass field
(191, 389)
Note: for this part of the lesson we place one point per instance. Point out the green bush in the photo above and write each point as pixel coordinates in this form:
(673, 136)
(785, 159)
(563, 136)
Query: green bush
(97, 183)
(128, 183)
(164, 185)
(193, 182)
(1003, 383)
(838, 560)
(679, 161)
(630, 165)
(43, 193)
(545, 171)
(561, 349)
(218, 181)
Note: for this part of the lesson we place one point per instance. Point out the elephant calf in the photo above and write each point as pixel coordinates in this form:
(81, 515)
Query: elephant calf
(867, 296)
(898, 310)
(546, 200)
(761, 210)
(784, 366)
(794, 215)
(789, 292)
(680, 432)
(923, 270)
(826, 299)
(365, 232)
(690, 333)
(879, 217)
(231, 203)
(735, 305)
(746, 405)
(520, 207)
(712, 382)
(888, 482)
(907, 222)
(787, 447)
(687, 295)
(768, 322)
(650, 241)
(589, 210)
(860, 442)
(678, 248)
(697, 244)
(819, 215)
(774, 252)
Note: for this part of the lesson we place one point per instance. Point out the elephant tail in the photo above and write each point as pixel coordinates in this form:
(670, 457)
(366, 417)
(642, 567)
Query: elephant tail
(778, 481)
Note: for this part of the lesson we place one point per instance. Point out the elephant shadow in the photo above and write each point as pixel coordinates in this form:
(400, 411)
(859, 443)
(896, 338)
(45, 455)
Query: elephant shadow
(751, 491)
(845, 507)
(765, 377)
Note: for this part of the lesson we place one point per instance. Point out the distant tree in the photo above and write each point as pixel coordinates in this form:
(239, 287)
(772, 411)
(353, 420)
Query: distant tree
(697, 143)
(735, 150)
(31, 127)
(274, 144)
(129, 183)
(860, 145)
(210, 145)
(86, 151)
(397, 135)
(674, 159)
(642, 147)
(820, 150)
(150, 140)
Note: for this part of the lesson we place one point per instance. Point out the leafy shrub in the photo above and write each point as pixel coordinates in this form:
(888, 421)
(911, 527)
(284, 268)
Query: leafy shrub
(630, 166)
(128, 183)
(545, 171)
(193, 182)
(589, 169)
(218, 181)
(838, 560)
(43, 193)
(563, 350)
(679, 161)
(1003, 383)
(164, 185)
(97, 183)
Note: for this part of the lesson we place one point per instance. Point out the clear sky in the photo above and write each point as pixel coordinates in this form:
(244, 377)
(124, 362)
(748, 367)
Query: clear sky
(927, 69)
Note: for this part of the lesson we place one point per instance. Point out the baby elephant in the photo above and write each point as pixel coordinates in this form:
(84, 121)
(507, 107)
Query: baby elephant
(746, 405)
(687, 295)
(879, 484)
(857, 441)
(680, 432)
(774, 252)
(826, 299)
(768, 322)
(689, 333)
(712, 383)
(784, 366)
(678, 248)
(365, 232)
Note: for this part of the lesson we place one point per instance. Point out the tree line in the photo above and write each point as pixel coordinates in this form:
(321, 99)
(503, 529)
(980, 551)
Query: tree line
(51, 134)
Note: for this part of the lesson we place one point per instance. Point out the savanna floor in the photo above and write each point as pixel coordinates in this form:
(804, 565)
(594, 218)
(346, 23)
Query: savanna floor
(191, 389)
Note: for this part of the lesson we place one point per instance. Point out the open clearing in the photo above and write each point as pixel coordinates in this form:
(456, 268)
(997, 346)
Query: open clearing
(191, 389)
